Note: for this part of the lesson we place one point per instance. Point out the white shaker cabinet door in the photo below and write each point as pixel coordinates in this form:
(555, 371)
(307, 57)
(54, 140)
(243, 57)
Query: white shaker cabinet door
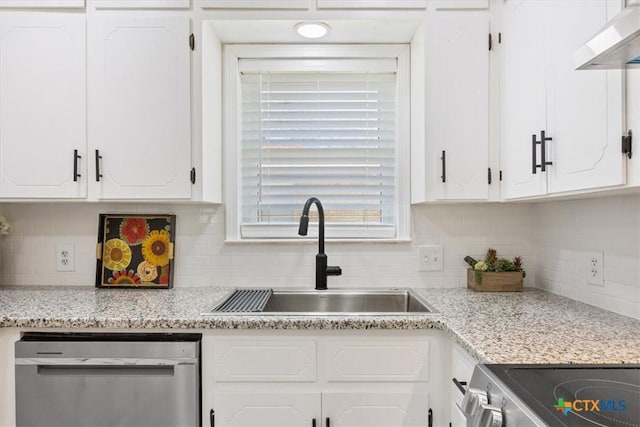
(139, 106)
(255, 4)
(42, 105)
(267, 409)
(457, 113)
(358, 409)
(371, 4)
(27, 4)
(523, 94)
(585, 107)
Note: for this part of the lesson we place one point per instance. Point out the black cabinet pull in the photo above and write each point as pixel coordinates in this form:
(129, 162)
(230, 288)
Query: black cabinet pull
(212, 418)
(430, 419)
(534, 160)
(313, 422)
(328, 422)
(98, 158)
(460, 385)
(444, 166)
(76, 159)
(543, 150)
(489, 176)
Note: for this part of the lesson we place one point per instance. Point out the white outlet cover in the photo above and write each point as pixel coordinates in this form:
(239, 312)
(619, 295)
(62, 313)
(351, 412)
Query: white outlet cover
(65, 257)
(594, 268)
(430, 258)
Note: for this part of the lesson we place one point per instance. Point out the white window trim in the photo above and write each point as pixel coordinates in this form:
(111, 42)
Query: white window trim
(232, 135)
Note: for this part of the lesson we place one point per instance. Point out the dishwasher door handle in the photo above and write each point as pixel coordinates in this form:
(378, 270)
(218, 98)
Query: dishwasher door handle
(106, 361)
(104, 370)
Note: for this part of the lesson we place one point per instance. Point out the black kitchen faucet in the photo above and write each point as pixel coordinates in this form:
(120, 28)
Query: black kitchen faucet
(322, 270)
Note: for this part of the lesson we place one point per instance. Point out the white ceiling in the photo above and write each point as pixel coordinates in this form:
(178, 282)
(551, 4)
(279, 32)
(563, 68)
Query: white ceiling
(274, 31)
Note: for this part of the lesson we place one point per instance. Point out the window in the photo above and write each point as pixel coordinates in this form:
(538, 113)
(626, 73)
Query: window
(325, 126)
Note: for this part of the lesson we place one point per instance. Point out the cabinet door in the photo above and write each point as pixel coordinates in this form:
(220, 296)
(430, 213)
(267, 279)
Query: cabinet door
(42, 105)
(41, 3)
(585, 108)
(255, 4)
(371, 4)
(357, 409)
(240, 409)
(457, 112)
(141, 4)
(139, 106)
(523, 86)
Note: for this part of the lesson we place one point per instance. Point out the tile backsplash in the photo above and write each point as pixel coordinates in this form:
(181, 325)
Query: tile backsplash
(567, 232)
(204, 259)
(552, 237)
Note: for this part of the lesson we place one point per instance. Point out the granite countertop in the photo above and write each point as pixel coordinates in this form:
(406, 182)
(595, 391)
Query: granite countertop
(529, 327)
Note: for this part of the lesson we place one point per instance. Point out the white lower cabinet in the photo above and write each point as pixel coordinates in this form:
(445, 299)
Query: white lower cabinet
(338, 379)
(277, 409)
(334, 409)
(461, 369)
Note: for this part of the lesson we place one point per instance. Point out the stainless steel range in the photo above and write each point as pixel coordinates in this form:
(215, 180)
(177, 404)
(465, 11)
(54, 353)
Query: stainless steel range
(553, 395)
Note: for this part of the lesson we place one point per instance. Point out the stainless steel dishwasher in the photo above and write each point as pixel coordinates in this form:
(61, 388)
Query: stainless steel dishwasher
(100, 380)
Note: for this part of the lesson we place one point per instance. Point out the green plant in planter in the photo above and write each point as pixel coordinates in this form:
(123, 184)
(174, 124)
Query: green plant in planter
(491, 262)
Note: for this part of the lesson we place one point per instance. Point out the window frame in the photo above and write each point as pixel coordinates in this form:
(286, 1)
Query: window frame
(232, 132)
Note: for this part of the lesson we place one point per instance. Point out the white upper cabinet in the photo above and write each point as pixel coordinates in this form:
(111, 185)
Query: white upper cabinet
(457, 105)
(523, 93)
(41, 3)
(371, 4)
(255, 4)
(585, 107)
(139, 106)
(42, 105)
(580, 111)
(451, 160)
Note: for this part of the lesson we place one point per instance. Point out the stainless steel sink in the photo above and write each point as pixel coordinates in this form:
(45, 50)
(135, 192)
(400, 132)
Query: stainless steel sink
(338, 302)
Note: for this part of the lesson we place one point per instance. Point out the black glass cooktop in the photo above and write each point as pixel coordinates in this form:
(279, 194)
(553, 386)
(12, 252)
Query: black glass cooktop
(577, 395)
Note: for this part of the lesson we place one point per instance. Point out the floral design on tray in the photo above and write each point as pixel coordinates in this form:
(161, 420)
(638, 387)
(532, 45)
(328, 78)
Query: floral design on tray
(135, 251)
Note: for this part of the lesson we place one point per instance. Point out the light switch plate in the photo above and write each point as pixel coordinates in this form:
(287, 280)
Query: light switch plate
(430, 258)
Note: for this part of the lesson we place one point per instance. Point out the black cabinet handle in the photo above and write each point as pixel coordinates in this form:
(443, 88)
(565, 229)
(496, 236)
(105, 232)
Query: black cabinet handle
(328, 422)
(430, 419)
(313, 422)
(76, 159)
(543, 150)
(212, 418)
(98, 158)
(534, 160)
(444, 166)
(460, 385)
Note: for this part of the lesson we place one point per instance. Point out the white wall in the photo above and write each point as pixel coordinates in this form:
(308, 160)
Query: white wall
(564, 233)
(204, 259)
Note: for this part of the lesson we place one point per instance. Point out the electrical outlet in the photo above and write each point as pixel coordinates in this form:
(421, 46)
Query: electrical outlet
(65, 258)
(430, 258)
(595, 268)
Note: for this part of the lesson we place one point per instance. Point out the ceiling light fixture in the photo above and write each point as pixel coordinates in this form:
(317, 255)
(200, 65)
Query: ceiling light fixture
(311, 30)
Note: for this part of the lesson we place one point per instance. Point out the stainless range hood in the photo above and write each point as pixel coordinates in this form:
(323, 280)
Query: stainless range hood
(616, 46)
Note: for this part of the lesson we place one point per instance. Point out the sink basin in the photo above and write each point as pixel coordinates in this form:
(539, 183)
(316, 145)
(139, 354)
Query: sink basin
(340, 302)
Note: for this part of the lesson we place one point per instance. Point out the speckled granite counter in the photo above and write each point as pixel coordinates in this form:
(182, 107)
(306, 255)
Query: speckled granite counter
(529, 327)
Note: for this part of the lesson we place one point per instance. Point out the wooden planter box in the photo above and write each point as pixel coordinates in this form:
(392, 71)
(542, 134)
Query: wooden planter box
(492, 281)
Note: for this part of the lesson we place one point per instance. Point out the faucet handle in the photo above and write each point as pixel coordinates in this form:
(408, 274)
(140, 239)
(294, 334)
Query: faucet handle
(334, 270)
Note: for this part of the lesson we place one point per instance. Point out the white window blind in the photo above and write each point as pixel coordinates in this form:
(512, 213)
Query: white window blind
(329, 134)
